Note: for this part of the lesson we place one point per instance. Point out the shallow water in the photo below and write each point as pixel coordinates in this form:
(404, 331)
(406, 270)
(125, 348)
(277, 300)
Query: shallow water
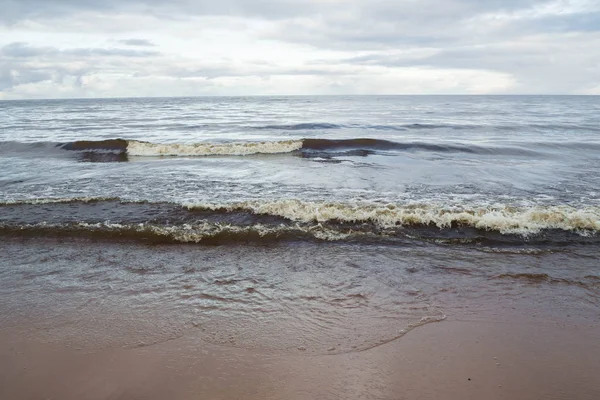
(304, 298)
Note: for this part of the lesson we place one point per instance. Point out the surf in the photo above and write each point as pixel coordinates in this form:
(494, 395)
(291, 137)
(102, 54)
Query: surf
(307, 147)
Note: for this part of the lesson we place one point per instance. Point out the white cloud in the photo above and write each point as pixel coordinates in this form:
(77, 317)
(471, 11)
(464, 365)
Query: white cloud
(65, 48)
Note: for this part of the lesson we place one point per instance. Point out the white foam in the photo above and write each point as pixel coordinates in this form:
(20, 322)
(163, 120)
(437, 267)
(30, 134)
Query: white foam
(57, 200)
(190, 233)
(504, 219)
(135, 148)
(198, 232)
(523, 220)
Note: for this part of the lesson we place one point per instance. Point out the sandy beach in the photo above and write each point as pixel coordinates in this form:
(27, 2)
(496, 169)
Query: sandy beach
(78, 321)
(518, 358)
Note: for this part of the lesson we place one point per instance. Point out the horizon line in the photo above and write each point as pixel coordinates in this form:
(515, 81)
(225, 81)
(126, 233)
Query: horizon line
(303, 95)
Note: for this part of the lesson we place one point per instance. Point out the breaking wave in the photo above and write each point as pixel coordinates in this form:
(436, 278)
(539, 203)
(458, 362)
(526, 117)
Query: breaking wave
(204, 232)
(503, 219)
(300, 220)
(116, 145)
(378, 144)
(305, 147)
(136, 148)
(51, 200)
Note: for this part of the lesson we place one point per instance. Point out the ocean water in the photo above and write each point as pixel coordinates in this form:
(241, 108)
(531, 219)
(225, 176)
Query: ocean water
(326, 223)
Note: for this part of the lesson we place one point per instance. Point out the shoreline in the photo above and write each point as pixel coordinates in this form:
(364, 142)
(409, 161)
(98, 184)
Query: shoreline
(94, 320)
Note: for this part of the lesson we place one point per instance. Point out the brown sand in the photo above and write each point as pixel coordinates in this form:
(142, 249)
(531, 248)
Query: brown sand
(521, 357)
(70, 321)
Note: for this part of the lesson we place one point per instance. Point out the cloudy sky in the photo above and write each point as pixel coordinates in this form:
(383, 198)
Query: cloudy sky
(114, 48)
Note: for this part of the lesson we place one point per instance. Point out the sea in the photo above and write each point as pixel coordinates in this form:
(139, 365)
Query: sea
(317, 225)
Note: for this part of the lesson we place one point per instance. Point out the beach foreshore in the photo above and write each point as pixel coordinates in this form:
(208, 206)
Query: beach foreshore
(89, 319)
(513, 357)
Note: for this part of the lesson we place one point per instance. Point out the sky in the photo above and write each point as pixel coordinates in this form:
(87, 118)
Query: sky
(135, 48)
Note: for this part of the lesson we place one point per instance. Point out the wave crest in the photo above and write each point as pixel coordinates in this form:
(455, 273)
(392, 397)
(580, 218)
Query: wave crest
(309, 147)
(135, 148)
(504, 219)
(114, 145)
(204, 232)
(374, 217)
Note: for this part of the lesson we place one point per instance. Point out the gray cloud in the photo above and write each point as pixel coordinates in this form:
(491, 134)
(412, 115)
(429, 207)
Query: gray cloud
(16, 10)
(345, 24)
(543, 45)
(137, 42)
(383, 24)
(12, 75)
(380, 10)
(22, 64)
(538, 61)
(578, 22)
(24, 50)
(99, 52)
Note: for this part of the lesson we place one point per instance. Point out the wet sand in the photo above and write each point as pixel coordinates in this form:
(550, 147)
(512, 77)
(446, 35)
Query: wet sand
(517, 358)
(101, 320)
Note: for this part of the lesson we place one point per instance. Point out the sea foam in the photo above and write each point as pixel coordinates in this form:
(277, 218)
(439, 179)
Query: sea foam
(136, 148)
